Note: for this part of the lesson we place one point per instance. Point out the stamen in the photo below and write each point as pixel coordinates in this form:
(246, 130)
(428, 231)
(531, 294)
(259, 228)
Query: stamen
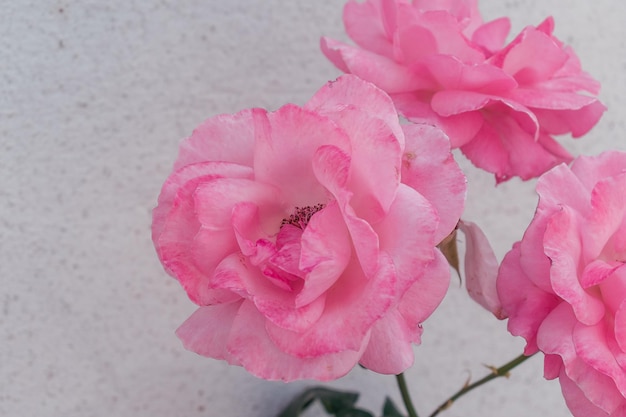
(302, 215)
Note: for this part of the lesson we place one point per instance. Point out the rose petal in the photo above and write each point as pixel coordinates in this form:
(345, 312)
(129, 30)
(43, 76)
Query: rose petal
(525, 304)
(326, 251)
(460, 128)
(285, 144)
(385, 73)
(352, 92)
(208, 329)
(365, 27)
(352, 307)
(226, 137)
(563, 246)
(251, 346)
(429, 167)
(492, 35)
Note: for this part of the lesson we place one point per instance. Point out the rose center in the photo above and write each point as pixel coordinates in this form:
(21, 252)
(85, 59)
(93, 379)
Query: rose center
(302, 215)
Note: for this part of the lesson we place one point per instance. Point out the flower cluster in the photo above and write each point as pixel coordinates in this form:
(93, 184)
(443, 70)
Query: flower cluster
(314, 238)
(500, 104)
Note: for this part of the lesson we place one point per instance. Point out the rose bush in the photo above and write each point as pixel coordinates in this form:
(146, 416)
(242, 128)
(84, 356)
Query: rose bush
(563, 286)
(443, 65)
(307, 235)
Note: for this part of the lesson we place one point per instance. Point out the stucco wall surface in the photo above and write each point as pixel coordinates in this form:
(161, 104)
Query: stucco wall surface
(94, 99)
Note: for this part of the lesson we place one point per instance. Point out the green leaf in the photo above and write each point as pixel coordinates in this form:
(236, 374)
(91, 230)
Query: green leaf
(336, 401)
(354, 412)
(390, 409)
(333, 401)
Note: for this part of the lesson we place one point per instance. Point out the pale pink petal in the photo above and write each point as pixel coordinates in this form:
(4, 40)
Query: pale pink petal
(620, 325)
(507, 148)
(331, 167)
(563, 246)
(448, 36)
(285, 144)
(608, 201)
(591, 344)
(562, 187)
(250, 345)
(176, 241)
(452, 74)
(237, 274)
(492, 35)
(525, 304)
(375, 157)
(208, 248)
(613, 288)
(429, 167)
(390, 11)
(534, 58)
(407, 234)
(414, 43)
(353, 305)
(389, 350)
(597, 271)
(499, 112)
(326, 251)
(575, 121)
(592, 168)
(553, 147)
(333, 51)
(350, 91)
(425, 295)
(365, 26)
(385, 73)
(452, 102)
(571, 77)
(576, 400)
(551, 100)
(226, 137)
(481, 269)
(214, 200)
(207, 330)
(557, 186)
(555, 336)
(460, 128)
(194, 174)
(287, 257)
(273, 302)
(487, 151)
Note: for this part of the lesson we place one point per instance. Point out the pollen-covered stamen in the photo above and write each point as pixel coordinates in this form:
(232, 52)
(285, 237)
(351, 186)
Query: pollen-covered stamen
(302, 215)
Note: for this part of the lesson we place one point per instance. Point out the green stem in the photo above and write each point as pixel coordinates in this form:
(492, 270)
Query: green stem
(405, 395)
(495, 373)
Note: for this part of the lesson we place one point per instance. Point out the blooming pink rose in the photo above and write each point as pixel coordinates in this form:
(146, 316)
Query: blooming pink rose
(293, 232)
(442, 65)
(564, 285)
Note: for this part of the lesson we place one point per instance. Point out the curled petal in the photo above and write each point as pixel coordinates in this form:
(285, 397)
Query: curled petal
(481, 269)
(429, 167)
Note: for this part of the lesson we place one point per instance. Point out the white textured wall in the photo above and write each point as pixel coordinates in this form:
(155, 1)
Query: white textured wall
(94, 98)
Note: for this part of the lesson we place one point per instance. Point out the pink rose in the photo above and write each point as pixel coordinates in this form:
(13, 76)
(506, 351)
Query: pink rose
(293, 232)
(564, 285)
(442, 65)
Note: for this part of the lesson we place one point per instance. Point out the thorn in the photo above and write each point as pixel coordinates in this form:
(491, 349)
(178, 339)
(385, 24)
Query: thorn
(496, 372)
(467, 381)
